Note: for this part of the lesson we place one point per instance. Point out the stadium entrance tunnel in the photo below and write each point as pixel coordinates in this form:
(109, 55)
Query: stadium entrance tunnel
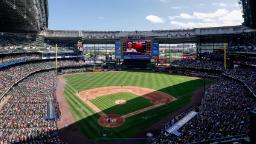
(88, 130)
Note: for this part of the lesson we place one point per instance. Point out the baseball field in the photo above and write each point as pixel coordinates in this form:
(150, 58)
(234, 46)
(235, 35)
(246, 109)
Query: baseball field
(123, 104)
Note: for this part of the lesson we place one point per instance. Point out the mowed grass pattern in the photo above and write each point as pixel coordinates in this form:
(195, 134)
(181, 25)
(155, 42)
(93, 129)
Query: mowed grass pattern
(133, 103)
(180, 87)
(155, 81)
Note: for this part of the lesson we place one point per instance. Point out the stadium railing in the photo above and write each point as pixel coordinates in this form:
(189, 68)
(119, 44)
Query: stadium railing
(239, 138)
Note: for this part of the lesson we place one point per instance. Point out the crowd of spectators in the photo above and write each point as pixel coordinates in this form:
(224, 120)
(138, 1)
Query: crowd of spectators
(10, 76)
(247, 46)
(22, 117)
(244, 44)
(13, 39)
(196, 73)
(76, 70)
(213, 56)
(199, 64)
(24, 105)
(246, 75)
(13, 42)
(243, 48)
(74, 63)
(12, 58)
(224, 112)
(250, 62)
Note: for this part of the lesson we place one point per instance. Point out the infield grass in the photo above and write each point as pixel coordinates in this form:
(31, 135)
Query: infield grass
(180, 87)
(133, 103)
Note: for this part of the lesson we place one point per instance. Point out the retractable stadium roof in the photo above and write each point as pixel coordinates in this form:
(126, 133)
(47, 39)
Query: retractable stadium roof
(32, 15)
(23, 15)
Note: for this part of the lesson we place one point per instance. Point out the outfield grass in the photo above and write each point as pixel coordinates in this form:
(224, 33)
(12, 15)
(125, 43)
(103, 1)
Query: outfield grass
(133, 103)
(180, 87)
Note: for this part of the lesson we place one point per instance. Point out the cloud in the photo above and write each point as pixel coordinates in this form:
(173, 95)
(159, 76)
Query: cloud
(233, 17)
(200, 15)
(185, 16)
(219, 4)
(220, 17)
(217, 13)
(154, 19)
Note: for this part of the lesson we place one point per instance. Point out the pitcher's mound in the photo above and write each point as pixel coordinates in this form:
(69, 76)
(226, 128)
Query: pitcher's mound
(111, 121)
(120, 102)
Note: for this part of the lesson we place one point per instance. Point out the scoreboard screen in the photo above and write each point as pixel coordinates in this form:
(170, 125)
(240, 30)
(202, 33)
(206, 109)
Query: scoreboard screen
(137, 49)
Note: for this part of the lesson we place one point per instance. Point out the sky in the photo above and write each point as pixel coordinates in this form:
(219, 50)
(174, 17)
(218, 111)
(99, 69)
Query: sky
(131, 15)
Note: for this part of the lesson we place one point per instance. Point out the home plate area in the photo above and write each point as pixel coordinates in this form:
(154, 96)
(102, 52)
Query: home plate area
(111, 120)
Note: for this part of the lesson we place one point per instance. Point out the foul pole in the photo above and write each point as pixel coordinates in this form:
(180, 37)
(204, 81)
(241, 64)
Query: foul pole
(56, 58)
(225, 55)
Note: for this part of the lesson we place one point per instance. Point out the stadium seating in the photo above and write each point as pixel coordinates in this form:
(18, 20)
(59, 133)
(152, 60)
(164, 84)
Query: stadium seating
(246, 75)
(243, 45)
(199, 64)
(29, 110)
(21, 117)
(224, 112)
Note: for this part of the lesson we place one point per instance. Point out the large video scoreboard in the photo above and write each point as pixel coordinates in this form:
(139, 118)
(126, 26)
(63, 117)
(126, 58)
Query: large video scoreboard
(136, 48)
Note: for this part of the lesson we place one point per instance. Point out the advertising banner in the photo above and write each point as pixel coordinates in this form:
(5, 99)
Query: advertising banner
(118, 50)
(155, 49)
